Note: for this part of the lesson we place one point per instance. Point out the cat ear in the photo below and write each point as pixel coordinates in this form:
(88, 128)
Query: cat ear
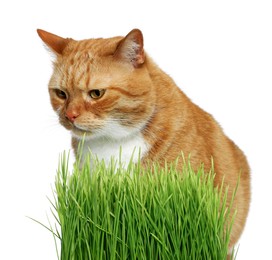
(130, 49)
(56, 43)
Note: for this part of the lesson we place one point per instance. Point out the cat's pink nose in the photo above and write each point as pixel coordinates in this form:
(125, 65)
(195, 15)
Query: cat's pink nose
(72, 115)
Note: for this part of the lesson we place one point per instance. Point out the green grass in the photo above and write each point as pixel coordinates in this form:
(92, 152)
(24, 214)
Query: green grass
(135, 213)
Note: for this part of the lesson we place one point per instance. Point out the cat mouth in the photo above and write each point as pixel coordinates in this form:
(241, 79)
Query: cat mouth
(80, 127)
(80, 131)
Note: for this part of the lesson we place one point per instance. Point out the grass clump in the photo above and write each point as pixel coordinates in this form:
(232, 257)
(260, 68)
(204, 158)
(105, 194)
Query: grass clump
(112, 212)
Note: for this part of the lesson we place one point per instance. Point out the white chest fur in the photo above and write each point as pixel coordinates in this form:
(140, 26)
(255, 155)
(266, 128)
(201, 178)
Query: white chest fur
(105, 148)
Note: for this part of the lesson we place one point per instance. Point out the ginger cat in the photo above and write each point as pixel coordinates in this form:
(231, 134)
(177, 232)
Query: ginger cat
(112, 92)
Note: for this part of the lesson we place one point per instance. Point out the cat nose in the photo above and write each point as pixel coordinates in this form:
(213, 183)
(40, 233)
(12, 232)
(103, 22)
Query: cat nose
(72, 115)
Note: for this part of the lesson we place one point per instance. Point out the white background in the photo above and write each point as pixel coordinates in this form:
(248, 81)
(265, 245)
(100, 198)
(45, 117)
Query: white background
(219, 53)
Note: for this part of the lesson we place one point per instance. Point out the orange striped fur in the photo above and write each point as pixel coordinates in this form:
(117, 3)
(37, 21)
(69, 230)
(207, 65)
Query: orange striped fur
(111, 91)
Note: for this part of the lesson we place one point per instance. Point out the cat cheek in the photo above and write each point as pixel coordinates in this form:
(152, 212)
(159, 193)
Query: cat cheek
(58, 111)
(57, 106)
(65, 123)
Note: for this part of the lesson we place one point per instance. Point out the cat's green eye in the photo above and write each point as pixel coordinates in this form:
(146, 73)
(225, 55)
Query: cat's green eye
(61, 94)
(97, 93)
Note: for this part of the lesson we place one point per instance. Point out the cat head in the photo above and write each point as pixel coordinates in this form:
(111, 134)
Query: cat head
(100, 87)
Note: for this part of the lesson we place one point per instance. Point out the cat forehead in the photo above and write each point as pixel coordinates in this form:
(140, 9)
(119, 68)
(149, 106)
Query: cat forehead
(90, 48)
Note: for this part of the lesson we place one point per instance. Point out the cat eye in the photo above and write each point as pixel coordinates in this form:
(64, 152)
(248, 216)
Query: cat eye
(96, 93)
(61, 94)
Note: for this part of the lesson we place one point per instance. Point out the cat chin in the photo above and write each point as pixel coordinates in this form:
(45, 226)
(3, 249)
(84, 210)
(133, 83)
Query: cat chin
(82, 135)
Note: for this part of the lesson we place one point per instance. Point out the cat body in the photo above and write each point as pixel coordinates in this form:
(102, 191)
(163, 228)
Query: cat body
(111, 92)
